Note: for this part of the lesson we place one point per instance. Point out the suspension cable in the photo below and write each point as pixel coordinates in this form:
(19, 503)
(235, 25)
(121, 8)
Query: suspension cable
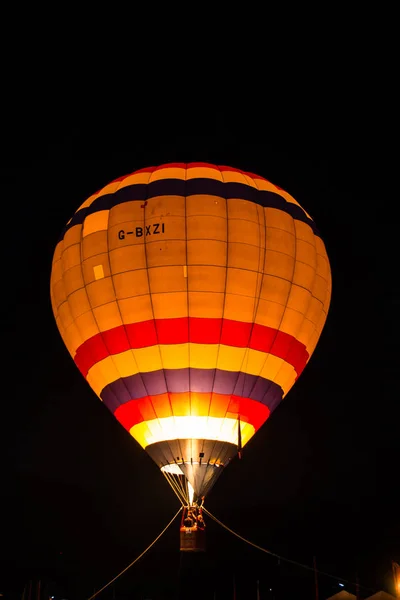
(136, 559)
(176, 487)
(288, 560)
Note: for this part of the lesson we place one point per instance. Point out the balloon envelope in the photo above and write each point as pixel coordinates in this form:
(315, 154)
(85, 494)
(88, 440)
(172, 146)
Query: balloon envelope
(191, 297)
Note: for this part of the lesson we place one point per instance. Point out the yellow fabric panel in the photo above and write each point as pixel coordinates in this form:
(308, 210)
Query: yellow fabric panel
(65, 315)
(280, 240)
(110, 369)
(306, 253)
(162, 253)
(56, 271)
(126, 363)
(89, 264)
(165, 206)
(174, 227)
(125, 212)
(304, 232)
(279, 219)
(320, 288)
(304, 275)
(210, 252)
(245, 256)
(278, 370)
(73, 235)
(172, 428)
(97, 221)
(127, 258)
(94, 244)
(78, 302)
(136, 309)
(279, 264)
(149, 359)
(275, 289)
(269, 313)
(315, 310)
(178, 356)
(107, 316)
(306, 333)
(100, 292)
(98, 382)
(232, 359)
(71, 257)
(234, 177)
(206, 227)
(299, 299)
(246, 232)
(287, 378)
(263, 184)
(167, 279)
(206, 279)
(291, 322)
(320, 247)
(131, 283)
(168, 173)
(57, 252)
(241, 282)
(239, 308)
(243, 210)
(203, 172)
(52, 301)
(205, 205)
(73, 280)
(328, 299)
(74, 338)
(135, 178)
(170, 305)
(59, 294)
(60, 326)
(202, 356)
(87, 325)
(250, 181)
(323, 267)
(209, 305)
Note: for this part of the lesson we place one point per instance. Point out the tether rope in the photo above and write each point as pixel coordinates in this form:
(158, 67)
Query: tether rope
(136, 559)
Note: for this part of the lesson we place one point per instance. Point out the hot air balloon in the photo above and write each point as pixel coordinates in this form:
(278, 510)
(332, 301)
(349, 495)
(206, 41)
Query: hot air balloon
(191, 297)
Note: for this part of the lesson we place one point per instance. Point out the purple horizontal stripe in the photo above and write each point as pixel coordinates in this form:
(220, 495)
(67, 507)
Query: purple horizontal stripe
(194, 380)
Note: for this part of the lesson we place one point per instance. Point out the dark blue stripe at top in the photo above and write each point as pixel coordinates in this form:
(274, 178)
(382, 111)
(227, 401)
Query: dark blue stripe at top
(180, 187)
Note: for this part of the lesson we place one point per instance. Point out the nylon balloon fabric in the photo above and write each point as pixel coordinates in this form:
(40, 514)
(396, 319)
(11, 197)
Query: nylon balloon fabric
(191, 297)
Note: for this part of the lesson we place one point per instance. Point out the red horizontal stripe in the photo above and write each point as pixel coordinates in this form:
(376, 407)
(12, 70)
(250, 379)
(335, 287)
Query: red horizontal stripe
(184, 405)
(195, 330)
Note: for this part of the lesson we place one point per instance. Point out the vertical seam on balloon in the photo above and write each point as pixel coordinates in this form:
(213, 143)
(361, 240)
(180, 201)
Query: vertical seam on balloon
(120, 314)
(222, 316)
(256, 300)
(89, 302)
(294, 336)
(281, 319)
(152, 310)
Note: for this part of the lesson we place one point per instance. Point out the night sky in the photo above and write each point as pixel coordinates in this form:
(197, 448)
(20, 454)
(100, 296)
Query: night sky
(80, 499)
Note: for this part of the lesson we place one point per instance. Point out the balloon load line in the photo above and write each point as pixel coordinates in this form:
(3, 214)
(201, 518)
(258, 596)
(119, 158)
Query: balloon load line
(137, 558)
